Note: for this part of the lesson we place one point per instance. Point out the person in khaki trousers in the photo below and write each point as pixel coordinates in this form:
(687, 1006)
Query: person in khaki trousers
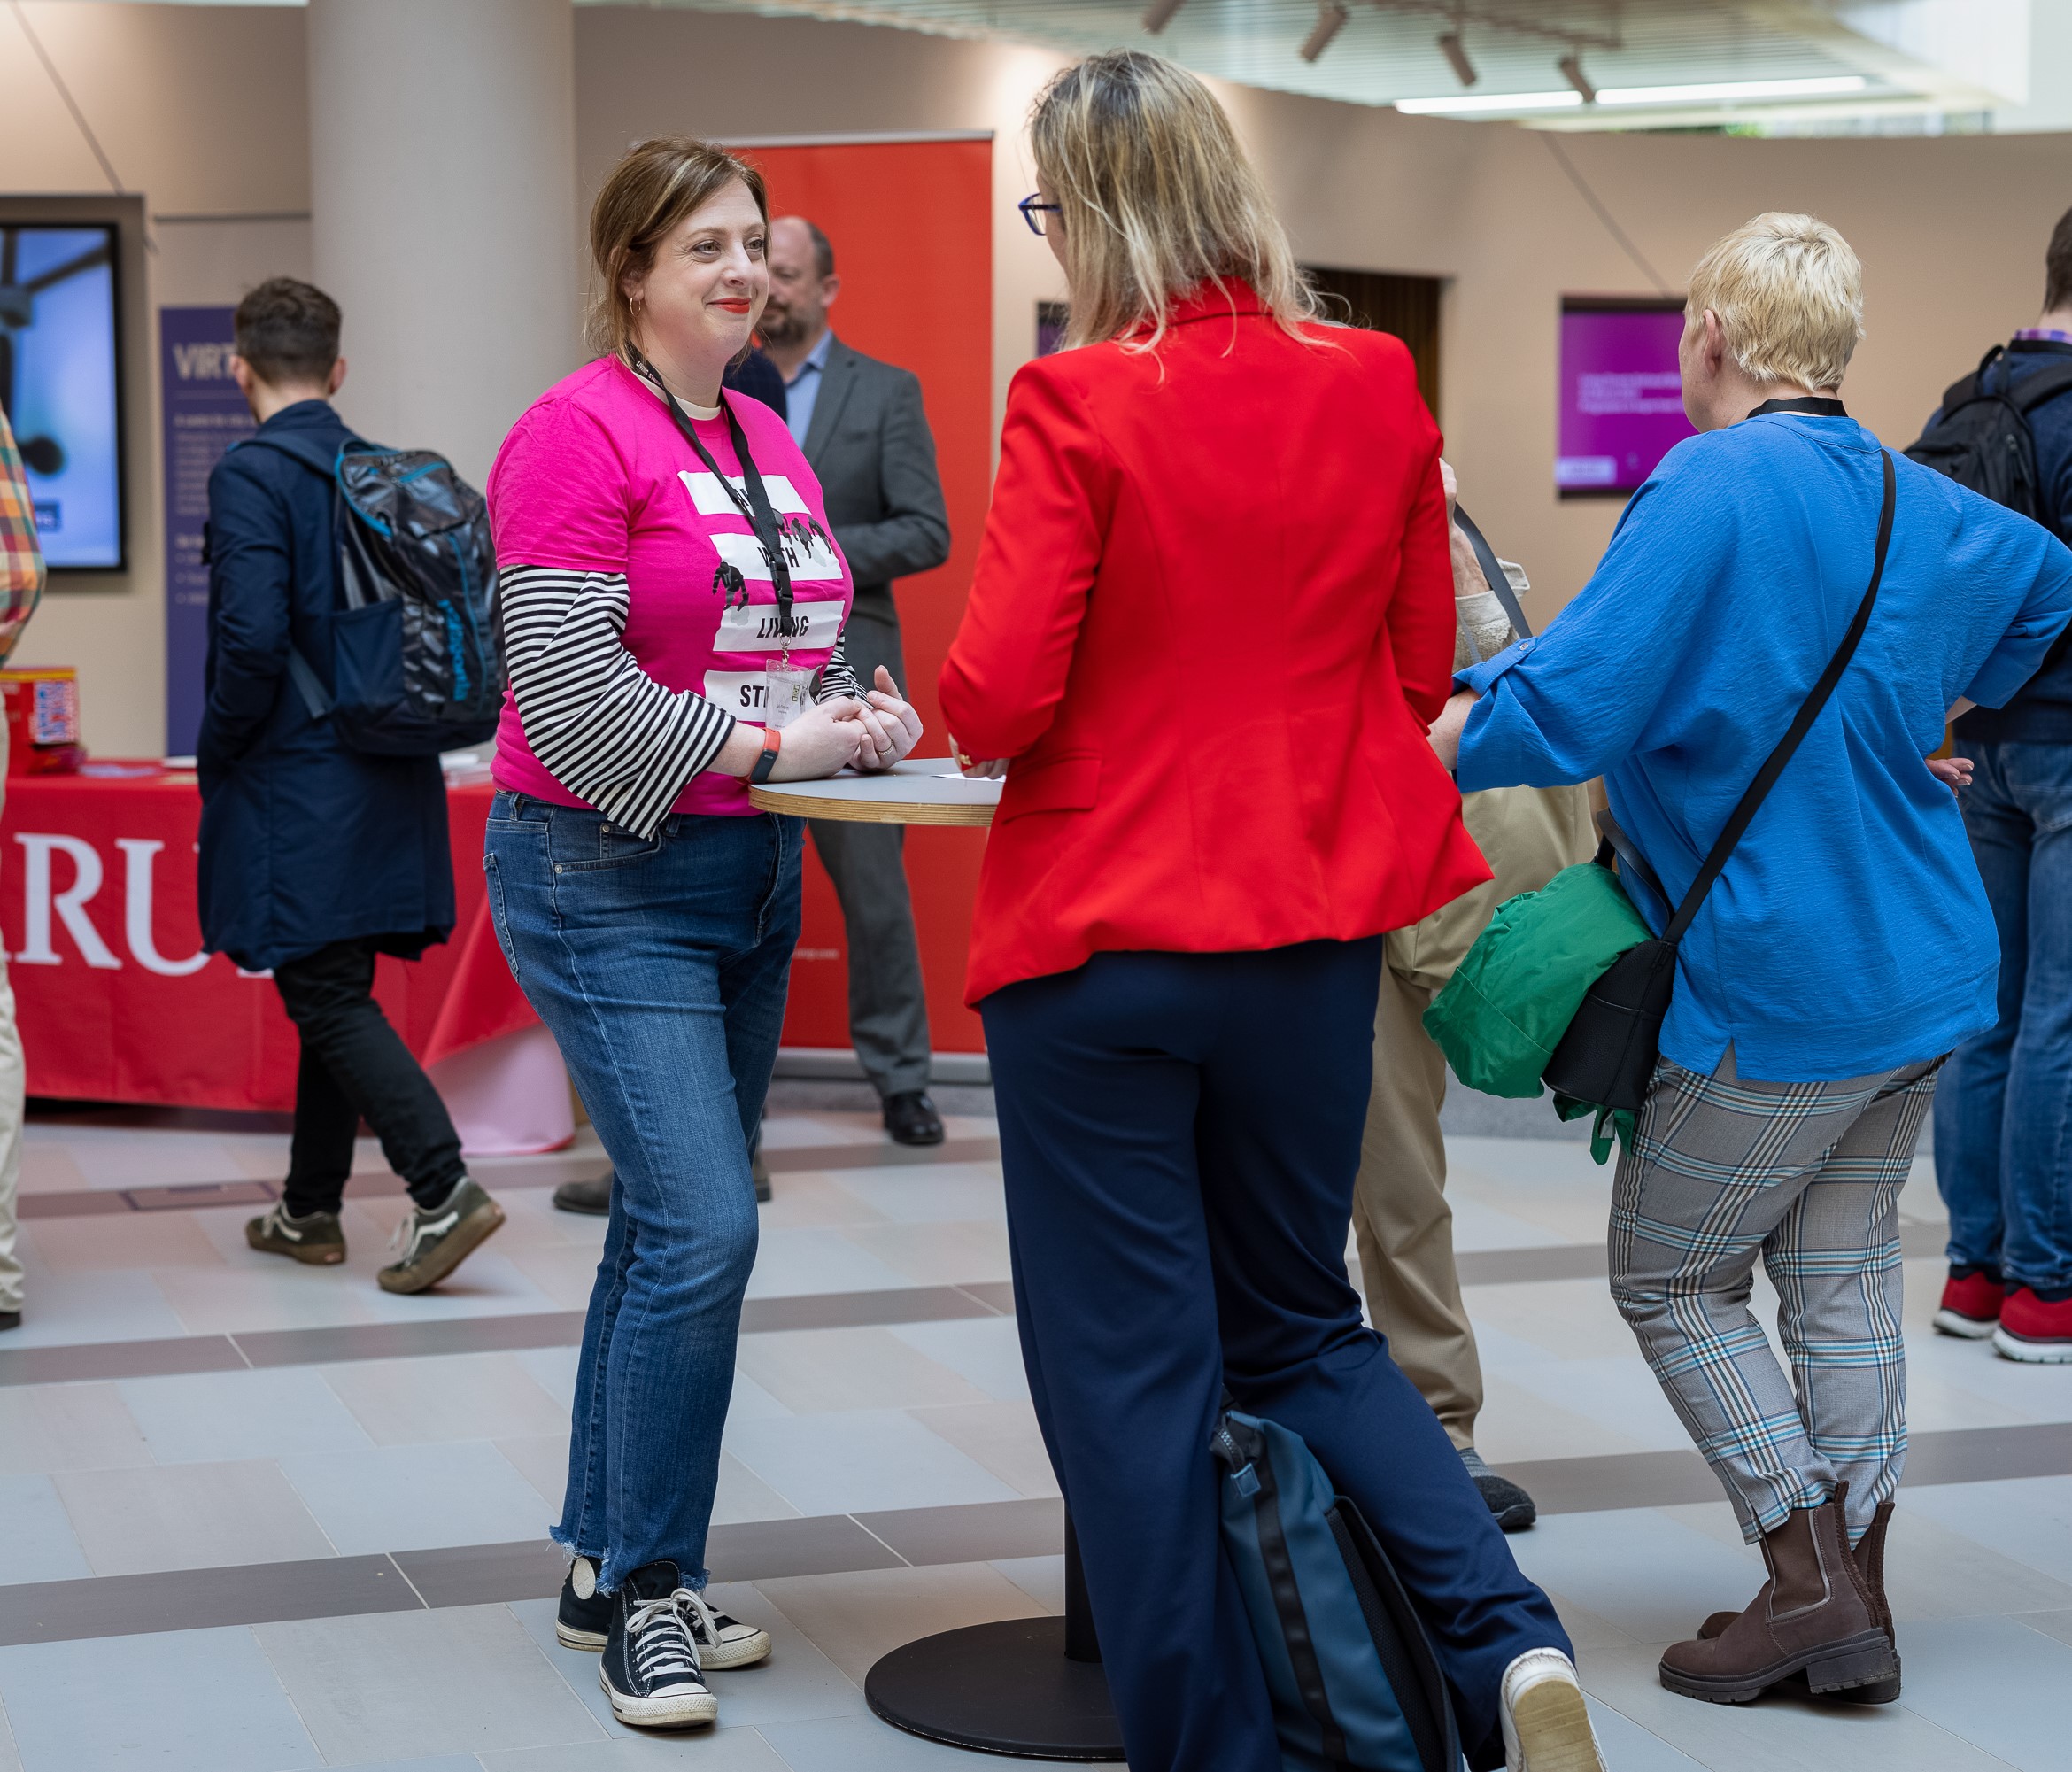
(1401, 1220)
(21, 583)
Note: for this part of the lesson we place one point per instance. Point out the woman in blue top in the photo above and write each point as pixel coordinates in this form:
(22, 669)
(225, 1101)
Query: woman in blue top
(1845, 949)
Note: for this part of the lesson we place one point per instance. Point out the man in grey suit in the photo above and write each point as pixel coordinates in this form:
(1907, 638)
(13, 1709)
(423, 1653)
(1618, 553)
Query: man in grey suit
(862, 427)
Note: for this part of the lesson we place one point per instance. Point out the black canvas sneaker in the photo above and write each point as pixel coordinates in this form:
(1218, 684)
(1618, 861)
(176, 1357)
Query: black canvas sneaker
(584, 1619)
(649, 1669)
(316, 1238)
(430, 1244)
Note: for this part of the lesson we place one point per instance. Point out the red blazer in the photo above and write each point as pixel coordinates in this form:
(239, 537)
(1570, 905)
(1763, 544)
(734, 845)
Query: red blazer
(1212, 617)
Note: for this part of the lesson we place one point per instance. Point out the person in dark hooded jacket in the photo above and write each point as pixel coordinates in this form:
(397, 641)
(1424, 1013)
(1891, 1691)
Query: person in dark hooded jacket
(316, 858)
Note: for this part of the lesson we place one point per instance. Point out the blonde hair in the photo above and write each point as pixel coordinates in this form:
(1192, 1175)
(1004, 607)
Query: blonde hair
(1157, 198)
(648, 193)
(1789, 292)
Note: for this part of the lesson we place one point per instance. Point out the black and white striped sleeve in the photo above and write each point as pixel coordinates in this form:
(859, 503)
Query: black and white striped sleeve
(837, 675)
(606, 729)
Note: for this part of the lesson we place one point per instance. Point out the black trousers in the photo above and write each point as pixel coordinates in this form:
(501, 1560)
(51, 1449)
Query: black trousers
(888, 1007)
(355, 1066)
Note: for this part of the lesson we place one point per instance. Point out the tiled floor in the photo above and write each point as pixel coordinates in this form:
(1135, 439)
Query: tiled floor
(231, 1550)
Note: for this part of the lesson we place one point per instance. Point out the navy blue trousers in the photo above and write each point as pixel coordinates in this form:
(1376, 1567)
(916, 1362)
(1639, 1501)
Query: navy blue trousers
(1179, 1134)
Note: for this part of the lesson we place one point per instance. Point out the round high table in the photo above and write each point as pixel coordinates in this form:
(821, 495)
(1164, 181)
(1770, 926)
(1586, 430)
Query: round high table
(1028, 1688)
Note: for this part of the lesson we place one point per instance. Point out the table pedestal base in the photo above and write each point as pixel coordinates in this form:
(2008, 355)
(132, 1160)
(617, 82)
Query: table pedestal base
(1004, 1688)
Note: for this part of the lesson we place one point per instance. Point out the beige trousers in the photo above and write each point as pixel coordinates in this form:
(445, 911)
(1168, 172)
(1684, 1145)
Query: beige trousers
(1401, 1220)
(12, 1087)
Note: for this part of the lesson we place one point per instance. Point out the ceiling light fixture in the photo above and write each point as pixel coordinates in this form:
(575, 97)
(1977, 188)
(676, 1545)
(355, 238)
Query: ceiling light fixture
(1457, 57)
(1159, 14)
(1571, 66)
(1331, 17)
(1465, 105)
(1725, 91)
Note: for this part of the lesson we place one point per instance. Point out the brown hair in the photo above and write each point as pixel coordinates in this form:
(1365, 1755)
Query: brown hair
(1157, 198)
(2057, 266)
(652, 190)
(287, 331)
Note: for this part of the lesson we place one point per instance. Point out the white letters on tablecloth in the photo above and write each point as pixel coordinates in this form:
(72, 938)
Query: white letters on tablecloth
(39, 901)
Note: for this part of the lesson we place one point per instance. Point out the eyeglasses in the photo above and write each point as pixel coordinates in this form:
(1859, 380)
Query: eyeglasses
(1034, 209)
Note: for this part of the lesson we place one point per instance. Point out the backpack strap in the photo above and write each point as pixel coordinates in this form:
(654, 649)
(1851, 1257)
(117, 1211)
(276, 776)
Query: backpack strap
(1808, 712)
(313, 456)
(1493, 570)
(2046, 385)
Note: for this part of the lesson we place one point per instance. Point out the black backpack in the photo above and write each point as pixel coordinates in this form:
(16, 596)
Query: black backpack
(1982, 437)
(415, 664)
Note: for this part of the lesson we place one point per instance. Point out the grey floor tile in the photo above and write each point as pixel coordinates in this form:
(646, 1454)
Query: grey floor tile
(418, 1498)
(871, 1459)
(2057, 1624)
(938, 1193)
(36, 1541)
(211, 1417)
(193, 1599)
(2029, 1522)
(73, 1361)
(65, 1309)
(1648, 1576)
(458, 1397)
(860, 1744)
(67, 1427)
(722, 1750)
(948, 1254)
(114, 1241)
(816, 1259)
(743, 1496)
(1002, 1438)
(1041, 1578)
(1991, 1681)
(10, 1760)
(972, 1534)
(853, 1619)
(187, 1701)
(466, 1680)
(796, 1683)
(987, 1349)
(749, 1551)
(542, 1459)
(813, 1371)
(1630, 1748)
(482, 1333)
(903, 1303)
(486, 1574)
(189, 1517)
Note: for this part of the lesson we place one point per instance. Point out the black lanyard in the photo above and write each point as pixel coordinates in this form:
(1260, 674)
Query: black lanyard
(755, 509)
(1814, 406)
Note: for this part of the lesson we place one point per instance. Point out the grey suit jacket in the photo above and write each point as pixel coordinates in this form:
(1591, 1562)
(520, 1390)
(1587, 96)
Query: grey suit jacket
(870, 445)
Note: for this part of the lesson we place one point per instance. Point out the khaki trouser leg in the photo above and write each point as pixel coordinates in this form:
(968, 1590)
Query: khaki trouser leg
(1401, 1219)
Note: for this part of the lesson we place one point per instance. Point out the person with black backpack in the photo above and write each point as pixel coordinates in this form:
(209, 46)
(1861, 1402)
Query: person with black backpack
(323, 831)
(2003, 1114)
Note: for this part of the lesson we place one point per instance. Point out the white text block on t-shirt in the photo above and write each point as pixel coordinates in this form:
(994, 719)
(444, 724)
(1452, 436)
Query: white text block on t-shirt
(814, 563)
(758, 628)
(711, 500)
(743, 693)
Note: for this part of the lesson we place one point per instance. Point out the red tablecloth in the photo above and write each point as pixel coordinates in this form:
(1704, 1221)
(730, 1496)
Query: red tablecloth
(115, 1002)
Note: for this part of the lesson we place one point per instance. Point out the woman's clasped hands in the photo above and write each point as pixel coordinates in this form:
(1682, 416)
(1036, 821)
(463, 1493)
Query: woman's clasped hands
(888, 727)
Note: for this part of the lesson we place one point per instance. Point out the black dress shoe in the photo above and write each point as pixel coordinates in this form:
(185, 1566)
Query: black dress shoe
(1512, 1506)
(911, 1118)
(593, 1198)
(10, 1319)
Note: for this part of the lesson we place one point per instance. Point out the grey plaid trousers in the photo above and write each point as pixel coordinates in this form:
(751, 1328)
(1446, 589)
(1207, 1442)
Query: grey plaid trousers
(1723, 1169)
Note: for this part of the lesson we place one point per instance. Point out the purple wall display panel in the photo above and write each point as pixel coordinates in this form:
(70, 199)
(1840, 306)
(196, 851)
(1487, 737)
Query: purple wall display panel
(1621, 408)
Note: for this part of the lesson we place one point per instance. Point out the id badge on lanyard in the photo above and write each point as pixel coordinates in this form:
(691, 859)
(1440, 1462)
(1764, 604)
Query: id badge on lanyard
(787, 690)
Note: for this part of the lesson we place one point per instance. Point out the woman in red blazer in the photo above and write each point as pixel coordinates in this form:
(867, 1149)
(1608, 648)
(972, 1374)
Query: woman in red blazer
(1212, 619)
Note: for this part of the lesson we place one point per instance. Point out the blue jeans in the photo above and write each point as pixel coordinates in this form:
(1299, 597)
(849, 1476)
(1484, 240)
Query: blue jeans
(659, 966)
(2004, 1111)
(1179, 1134)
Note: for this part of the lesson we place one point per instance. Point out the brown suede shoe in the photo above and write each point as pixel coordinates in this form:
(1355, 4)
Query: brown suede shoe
(1813, 1616)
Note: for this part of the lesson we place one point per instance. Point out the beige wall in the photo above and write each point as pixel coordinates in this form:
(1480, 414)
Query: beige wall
(202, 109)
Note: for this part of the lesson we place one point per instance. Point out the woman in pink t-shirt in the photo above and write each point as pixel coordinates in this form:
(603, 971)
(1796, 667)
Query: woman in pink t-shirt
(672, 605)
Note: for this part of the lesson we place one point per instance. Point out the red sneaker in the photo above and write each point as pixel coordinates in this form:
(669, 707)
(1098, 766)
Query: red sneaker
(2035, 1330)
(1971, 1306)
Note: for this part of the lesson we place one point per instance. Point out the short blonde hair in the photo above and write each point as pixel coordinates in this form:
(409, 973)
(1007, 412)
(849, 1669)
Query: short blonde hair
(1157, 198)
(1789, 292)
(654, 186)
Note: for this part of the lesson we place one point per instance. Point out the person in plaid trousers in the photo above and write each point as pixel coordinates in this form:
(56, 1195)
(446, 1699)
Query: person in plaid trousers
(1845, 949)
(21, 583)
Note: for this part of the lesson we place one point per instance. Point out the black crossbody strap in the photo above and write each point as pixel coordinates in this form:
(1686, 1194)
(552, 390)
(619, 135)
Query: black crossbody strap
(1808, 712)
(1499, 580)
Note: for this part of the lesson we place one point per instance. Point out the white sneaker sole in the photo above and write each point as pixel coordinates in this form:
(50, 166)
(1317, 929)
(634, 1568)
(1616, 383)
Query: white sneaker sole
(2031, 1353)
(569, 1638)
(1965, 1329)
(743, 1653)
(1551, 1725)
(690, 1711)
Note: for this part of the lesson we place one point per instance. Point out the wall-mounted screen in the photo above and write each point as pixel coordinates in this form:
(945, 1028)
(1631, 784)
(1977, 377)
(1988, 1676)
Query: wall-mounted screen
(1621, 397)
(60, 379)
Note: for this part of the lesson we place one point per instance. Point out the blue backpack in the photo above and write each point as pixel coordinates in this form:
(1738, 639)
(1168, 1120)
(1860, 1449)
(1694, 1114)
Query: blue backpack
(1355, 1685)
(415, 664)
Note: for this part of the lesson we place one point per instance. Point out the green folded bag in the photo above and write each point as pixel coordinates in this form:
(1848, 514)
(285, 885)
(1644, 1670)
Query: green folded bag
(1507, 1005)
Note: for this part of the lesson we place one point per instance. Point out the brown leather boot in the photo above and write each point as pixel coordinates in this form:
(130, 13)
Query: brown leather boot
(1813, 1616)
(1870, 1562)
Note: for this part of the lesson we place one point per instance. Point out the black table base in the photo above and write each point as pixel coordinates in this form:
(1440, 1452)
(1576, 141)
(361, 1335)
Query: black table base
(1028, 1688)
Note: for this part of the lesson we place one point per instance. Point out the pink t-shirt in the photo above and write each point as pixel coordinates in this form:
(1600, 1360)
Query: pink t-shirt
(596, 478)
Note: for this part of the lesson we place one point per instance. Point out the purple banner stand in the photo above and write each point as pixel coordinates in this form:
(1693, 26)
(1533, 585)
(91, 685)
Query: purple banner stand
(204, 414)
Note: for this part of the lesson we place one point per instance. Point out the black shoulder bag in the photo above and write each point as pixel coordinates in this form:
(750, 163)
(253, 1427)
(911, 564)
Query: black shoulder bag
(1608, 1055)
